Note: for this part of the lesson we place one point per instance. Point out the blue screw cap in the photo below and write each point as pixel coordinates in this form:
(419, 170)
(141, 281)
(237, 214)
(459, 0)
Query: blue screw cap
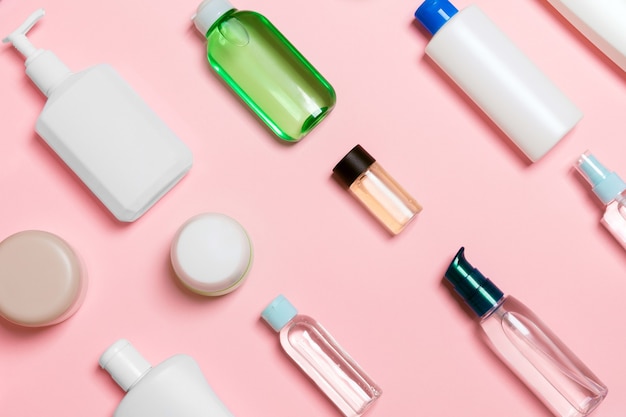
(433, 14)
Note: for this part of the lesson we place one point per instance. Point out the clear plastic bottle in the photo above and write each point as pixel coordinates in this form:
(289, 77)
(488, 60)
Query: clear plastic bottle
(371, 185)
(524, 343)
(610, 190)
(264, 69)
(321, 358)
(520, 99)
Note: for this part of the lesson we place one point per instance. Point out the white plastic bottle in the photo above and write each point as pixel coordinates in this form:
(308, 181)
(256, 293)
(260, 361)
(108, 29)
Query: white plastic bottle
(100, 127)
(601, 21)
(498, 77)
(175, 387)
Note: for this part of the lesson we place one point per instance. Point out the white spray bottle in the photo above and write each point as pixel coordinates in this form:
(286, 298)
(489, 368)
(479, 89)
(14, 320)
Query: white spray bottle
(175, 387)
(103, 130)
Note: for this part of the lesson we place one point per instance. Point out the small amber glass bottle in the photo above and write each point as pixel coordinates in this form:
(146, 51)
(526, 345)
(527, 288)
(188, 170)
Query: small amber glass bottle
(376, 189)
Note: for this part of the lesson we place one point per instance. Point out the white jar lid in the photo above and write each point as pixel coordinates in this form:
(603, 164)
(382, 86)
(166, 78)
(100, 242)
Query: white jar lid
(211, 254)
(42, 281)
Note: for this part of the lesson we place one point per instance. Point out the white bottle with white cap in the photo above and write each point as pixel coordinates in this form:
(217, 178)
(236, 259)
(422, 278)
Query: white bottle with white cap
(175, 387)
(103, 130)
(601, 21)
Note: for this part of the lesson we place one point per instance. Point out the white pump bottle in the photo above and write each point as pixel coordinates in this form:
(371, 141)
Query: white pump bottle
(103, 130)
(175, 387)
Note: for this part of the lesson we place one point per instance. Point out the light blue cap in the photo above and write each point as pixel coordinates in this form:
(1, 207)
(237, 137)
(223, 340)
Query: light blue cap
(606, 184)
(279, 312)
(433, 14)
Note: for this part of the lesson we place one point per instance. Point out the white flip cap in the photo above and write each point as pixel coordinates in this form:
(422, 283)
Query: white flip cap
(208, 12)
(125, 365)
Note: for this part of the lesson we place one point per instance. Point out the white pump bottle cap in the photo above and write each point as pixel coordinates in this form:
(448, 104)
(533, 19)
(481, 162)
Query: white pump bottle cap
(125, 365)
(208, 12)
(43, 67)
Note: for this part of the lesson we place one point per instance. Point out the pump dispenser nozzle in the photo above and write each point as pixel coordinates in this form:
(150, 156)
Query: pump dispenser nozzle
(18, 36)
(476, 290)
(43, 67)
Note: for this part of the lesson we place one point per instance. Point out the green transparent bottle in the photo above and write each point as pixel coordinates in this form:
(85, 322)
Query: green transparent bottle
(264, 69)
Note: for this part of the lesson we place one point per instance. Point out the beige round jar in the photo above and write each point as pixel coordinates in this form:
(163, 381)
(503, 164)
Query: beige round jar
(42, 280)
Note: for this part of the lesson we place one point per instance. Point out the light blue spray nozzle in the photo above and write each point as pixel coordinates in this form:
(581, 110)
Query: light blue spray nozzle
(433, 14)
(606, 184)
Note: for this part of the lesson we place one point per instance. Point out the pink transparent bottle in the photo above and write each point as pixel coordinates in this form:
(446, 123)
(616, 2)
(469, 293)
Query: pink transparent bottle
(321, 358)
(539, 358)
(611, 190)
(565, 385)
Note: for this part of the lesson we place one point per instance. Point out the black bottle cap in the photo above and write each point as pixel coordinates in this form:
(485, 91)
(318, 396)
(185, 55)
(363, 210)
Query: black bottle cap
(352, 165)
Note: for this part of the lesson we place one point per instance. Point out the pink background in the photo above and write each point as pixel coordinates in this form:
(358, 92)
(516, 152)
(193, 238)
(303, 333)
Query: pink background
(534, 229)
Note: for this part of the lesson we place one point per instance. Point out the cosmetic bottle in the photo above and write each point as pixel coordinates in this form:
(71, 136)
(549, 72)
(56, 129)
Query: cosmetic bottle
(526, 345)
(321, 358)
(610, 190)
(105, 133)
(498, 77)
(264, 69)
(600, 21)
(376, 190)
(42, 279)
(211, 254)
(175, 387)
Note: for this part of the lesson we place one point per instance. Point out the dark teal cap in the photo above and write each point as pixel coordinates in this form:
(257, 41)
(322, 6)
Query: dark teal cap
(476, 290)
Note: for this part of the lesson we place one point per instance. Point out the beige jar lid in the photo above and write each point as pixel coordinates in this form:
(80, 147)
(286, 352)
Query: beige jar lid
(42, 281)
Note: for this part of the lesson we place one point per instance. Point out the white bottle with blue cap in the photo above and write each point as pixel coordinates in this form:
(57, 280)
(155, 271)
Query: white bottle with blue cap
(321, 358)
(103, 130)
(175, 387)
(610, 190)
(518, 97)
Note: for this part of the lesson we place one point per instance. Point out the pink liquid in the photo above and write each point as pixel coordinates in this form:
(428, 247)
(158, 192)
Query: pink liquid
(332, 369)
(558, 378)
(614, 220)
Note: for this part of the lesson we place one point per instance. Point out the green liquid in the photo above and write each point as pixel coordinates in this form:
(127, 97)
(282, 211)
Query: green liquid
(269, 74)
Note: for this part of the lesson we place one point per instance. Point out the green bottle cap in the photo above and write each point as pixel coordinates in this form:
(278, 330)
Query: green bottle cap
(476, 290)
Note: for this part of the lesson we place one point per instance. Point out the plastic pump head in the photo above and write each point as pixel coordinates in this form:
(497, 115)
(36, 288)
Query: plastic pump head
(18, 36)
(606, 184)
(476, 290)
(43, 67)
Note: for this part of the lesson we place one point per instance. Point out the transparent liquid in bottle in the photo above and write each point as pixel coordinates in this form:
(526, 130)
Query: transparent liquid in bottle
(558, 378)
(326, 363)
